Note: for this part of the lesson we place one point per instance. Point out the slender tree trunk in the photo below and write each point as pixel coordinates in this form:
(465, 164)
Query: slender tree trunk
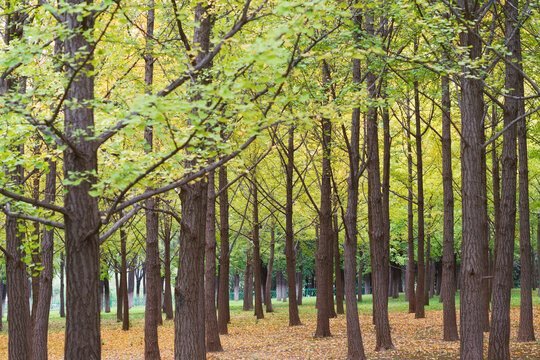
(236, 287)
(167, 300)
(496, 192)
(213, 342)
(526, 328)
(448, 281)
(326, 236)
(300, 277)
(122, 299)
(379, 247)
(268, 290)
(36, 257)
(420, 288)
(427, 283)
(337, 263)
(223, 290)
(410, 221)
(294, 318)
(256, 252)
(41, 324)
(355, 345)
(152, 313)
(248, 281)
(483, 223)
(62, 311)
(499, 336)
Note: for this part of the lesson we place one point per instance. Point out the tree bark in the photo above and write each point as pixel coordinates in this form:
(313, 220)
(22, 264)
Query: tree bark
(248, 281)
(167, 300)
(213, 342)
(122, 299)
(355, 345)
(526, 328)
(420, 287)
(496, 191)
(410, 221)
(223, 288)
(448, 281)
(256, 252)
(337, 263)
(268, 289)
(82, 218)
(379, 247)
(325, 239)
(189, 320)
(499, 336)
(236, 287)
(294, 318)
(41, 324)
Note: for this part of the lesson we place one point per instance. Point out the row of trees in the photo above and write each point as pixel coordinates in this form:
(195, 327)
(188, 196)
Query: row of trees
(153, 105)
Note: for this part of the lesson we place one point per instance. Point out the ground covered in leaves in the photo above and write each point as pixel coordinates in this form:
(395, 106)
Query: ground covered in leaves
(271, 338)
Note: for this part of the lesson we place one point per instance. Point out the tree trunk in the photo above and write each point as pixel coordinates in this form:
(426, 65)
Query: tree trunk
(410, 220)
(355, 345)
(122, 299)
(526, 328)
(62, 311)
(41, 324)
(189, 321)
(107, 295)
(337, 264)
(427, 283)
(471, 344)
(213, 342)
(379, 247)
(448, 273)
(167, 298)
(294, 318)
(256, 252)
(483, 223)
(421, 285)
(300, 277)
(248, 281)
(236, 287)
(326, 236)
(223, 288)
(268, 292)
(500, 325)
(496, 190)
(82, 219)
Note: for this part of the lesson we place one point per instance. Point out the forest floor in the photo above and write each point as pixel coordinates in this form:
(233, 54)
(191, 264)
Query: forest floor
(272, 338)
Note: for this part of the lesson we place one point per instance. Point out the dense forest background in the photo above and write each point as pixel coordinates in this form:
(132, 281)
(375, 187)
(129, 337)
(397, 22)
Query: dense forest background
(183, 154)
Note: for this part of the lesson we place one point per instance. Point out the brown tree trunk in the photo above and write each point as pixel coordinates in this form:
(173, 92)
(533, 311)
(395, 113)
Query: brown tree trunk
(410, 222)
(213, 342)
(256, 252)
(152, 313)
(427, 283)
(223, 287)
(379, 247)
(325, 239)
(337, 263)
(35, 256)
(448, 281)
(471, 344)
(236, 287)
(294, 318)
(189, 321)
(499, 336)
(82, 213)
(496, 191)
(355, 345)
(483, 223)
(122, 298)
(526, 328)
(107, 295)
(167, 300)
(268, 289)
(420, 288)
(248, 281)
(62, 311)
(41, 324)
